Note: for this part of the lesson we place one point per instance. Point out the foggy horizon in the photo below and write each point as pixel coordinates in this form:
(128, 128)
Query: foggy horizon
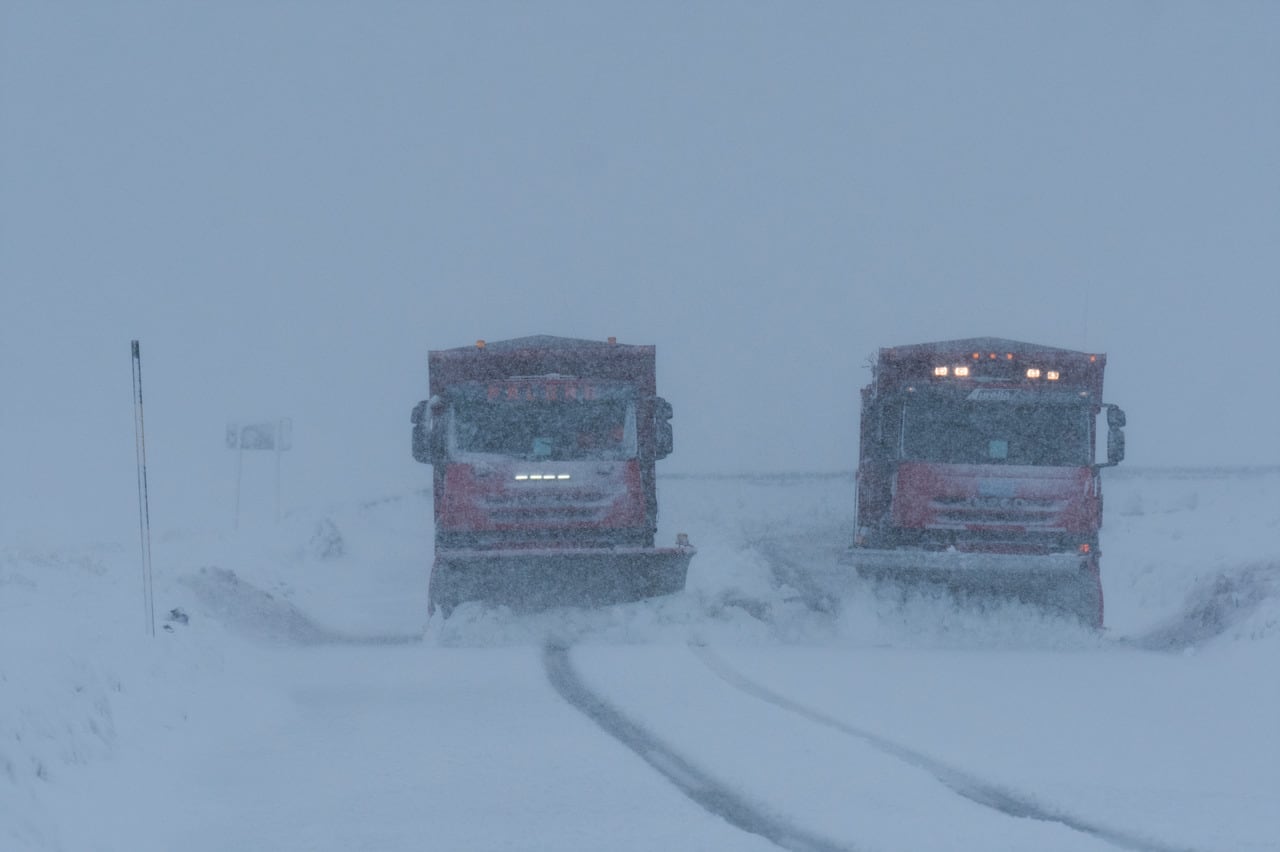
(290, 205)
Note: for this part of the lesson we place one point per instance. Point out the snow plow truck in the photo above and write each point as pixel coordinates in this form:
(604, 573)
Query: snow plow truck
(977, 472)
(543, 450)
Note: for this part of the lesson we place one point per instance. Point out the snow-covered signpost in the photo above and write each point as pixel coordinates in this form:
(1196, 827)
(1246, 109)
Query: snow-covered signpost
(276, 436)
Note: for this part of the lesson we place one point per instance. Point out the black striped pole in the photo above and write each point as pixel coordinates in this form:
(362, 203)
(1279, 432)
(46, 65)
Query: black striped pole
(144, 511)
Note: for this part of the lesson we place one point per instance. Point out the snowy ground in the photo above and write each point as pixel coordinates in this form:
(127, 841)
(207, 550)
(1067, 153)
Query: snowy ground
(306, 704)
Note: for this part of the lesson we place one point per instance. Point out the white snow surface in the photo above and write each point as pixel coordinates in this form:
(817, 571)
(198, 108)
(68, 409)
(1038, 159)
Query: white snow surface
(307, 703)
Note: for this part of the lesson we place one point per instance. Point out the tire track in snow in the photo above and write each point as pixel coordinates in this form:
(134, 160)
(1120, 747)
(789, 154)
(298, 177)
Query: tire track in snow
(962, 783)
(713, 796)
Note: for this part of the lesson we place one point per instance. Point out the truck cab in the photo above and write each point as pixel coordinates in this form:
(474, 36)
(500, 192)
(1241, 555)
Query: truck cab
(543, 451)
(977, 468)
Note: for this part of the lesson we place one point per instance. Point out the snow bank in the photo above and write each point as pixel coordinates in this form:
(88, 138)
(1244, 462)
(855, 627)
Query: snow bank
(56, 687)
(1191, 563)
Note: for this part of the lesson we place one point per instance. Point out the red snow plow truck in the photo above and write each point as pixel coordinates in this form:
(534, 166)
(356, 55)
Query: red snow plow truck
(543, 451)
(977, 471)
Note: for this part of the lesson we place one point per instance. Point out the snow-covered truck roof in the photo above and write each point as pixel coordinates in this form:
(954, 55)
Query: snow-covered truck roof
(991, 360)
(543, 355)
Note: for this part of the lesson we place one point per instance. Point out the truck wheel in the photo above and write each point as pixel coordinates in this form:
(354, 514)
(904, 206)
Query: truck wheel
(441, 597)
(443, 606)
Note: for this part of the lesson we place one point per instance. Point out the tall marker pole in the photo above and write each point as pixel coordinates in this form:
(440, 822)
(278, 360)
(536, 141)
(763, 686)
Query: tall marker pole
(144, 510)
(239, 473)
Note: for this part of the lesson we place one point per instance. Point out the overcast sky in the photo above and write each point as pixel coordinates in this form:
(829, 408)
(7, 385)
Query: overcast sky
(290, 203)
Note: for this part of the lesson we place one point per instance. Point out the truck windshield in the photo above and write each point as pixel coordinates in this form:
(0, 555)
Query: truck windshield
(601, 429)
(967, 432)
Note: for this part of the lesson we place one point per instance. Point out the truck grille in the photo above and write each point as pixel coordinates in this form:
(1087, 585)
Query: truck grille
(1021, 512)
(566, 506)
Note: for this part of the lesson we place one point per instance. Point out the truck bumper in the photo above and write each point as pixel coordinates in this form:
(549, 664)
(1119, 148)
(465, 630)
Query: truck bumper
(944, 564)
(530, 579)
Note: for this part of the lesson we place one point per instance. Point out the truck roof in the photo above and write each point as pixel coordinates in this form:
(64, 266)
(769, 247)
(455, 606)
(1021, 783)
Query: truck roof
(986, 360)
(542, 355)
(984, 345)
(541, 342)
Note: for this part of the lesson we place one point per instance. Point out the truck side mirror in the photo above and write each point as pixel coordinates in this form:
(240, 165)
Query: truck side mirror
(421, 439)
(1115, 435)
(664, 439)
(1115, 446)
(428, 440)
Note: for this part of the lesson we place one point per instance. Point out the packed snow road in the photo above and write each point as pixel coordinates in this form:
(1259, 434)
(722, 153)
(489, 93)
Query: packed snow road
(294, 701)
(717, 798)
(818, 781)
(878, 798)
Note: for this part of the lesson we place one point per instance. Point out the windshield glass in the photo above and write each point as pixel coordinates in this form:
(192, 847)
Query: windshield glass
(602, 429)
(966, 432)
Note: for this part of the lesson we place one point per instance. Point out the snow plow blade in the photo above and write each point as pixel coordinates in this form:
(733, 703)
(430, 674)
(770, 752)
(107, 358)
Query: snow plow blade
(531, 579)
(1065, 583)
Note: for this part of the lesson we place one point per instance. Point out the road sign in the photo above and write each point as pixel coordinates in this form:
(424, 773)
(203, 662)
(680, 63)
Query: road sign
(264, 435)
(273, 435)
